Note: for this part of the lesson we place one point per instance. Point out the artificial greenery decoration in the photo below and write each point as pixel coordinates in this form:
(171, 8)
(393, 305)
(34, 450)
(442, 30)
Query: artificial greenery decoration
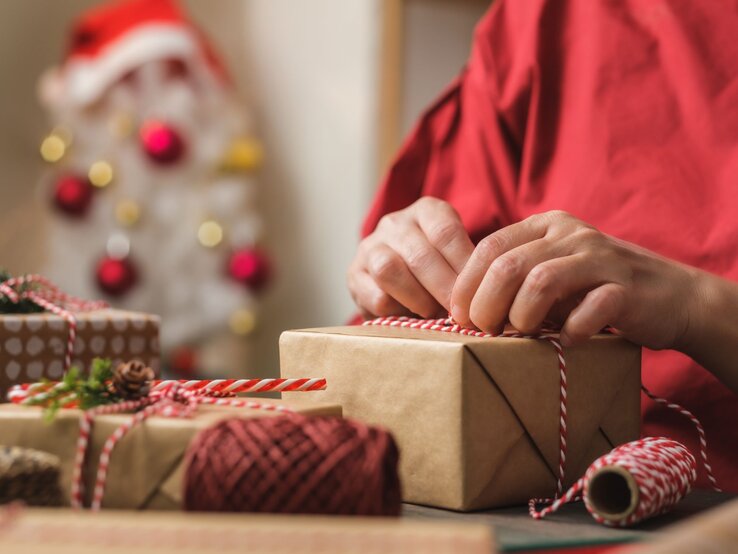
(25, 306)
(86, 391)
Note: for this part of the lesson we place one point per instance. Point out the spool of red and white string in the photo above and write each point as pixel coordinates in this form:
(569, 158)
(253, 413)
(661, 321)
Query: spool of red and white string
(633, 482)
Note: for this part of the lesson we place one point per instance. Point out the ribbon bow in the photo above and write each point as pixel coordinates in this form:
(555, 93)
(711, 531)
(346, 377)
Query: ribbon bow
(43, 293)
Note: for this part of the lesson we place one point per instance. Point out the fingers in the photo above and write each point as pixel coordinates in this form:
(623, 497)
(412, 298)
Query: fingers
(401, 231)
(441, 224)
(494, 297)
(600, 308)
(555, 280)
(413, 259)
(486, 252)
(390, 274)
(372, 300)
(425, 263)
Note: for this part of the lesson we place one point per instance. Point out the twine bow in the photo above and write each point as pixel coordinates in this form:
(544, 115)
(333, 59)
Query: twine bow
(46, 295)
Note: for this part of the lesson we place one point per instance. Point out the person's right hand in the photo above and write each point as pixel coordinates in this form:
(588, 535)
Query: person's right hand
(410, 262)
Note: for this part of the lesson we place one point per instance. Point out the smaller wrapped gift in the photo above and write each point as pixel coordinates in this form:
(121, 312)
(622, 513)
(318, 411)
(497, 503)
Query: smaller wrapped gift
(477, 420)
(146, 466)
(43, 331)
(40, 531)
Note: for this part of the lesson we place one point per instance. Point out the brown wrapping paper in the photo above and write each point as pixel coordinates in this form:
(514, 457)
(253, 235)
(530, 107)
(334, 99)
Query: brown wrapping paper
(146, 467)
(38, 531)
(32, 346)
(476, 420)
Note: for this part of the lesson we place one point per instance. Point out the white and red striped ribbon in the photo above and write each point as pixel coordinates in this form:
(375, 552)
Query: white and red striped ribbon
(48, 296)
(39, 393)
(173, 401)
(663, 482)
(235, 386)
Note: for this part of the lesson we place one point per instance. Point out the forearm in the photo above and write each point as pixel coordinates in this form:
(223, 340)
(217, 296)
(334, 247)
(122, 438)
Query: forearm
(711, 338)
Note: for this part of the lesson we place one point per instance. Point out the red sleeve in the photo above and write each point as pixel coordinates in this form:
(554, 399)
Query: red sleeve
(466, 148)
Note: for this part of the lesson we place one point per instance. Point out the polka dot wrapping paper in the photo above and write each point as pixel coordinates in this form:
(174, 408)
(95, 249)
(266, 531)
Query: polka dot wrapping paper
(33, 346)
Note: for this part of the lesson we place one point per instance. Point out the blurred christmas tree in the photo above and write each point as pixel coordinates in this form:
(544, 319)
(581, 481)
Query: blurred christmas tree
(151, 175)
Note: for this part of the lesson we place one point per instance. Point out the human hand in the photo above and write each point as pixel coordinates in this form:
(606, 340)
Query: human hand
(554, 266)
(410, 262)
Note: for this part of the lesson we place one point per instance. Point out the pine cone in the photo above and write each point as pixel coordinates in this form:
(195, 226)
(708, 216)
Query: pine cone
(132, 380)
(29, 475)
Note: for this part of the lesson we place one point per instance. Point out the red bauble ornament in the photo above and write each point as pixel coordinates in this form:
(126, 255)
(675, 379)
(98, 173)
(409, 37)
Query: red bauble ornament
(183, 362)
(73, 194)
(162, 143)
(250, 267)
(116, 276)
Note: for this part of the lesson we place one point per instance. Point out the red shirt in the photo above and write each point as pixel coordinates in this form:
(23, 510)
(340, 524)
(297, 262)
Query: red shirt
(624, 114)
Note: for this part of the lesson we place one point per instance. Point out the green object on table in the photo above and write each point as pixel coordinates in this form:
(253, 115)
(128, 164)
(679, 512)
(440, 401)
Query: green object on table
(25, 306)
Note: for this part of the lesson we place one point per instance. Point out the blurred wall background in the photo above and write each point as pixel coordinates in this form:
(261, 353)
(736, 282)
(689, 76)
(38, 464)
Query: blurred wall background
(332, 85)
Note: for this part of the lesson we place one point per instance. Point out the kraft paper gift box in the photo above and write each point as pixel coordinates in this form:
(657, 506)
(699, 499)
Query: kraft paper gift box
(146, 468)
(39, 531)
(476, 419)
(33, 346)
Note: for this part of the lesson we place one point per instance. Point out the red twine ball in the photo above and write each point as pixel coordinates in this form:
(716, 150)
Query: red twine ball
(73, 195)
(161, 142)
(293, 464)
(250, 267)
(116, 276)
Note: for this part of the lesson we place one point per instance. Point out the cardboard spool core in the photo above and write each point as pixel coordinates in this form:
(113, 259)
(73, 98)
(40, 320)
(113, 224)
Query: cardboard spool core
(612, 493)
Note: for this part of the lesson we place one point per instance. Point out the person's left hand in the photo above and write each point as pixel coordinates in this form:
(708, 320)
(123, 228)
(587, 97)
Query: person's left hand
(554, 266)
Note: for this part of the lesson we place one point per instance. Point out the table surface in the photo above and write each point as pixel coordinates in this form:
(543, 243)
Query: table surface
(570, 526)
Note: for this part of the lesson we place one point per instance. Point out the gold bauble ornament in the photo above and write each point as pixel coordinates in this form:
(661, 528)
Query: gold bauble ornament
(210, 233)
(100, 174)
(245, 154)
(127, 213)
(53, 148)
(242, 322)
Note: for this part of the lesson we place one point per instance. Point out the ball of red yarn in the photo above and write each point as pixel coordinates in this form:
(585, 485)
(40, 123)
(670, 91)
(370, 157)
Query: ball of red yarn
(293, 464)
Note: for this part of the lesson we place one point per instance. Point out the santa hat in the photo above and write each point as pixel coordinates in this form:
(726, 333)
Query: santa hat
(109, 41)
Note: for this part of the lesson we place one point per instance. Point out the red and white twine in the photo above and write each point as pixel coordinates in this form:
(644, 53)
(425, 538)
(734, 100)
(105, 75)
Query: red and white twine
(173, 401)
(48, 296)
(658, 458)
(38, 393)
(663, 471)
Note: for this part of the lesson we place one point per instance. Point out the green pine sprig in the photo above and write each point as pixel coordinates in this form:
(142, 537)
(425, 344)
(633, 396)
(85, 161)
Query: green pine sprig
(25, 306)
(89, 391)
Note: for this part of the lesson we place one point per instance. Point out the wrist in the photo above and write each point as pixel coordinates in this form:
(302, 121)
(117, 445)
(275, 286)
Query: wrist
(700, 295)
(712, 315)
